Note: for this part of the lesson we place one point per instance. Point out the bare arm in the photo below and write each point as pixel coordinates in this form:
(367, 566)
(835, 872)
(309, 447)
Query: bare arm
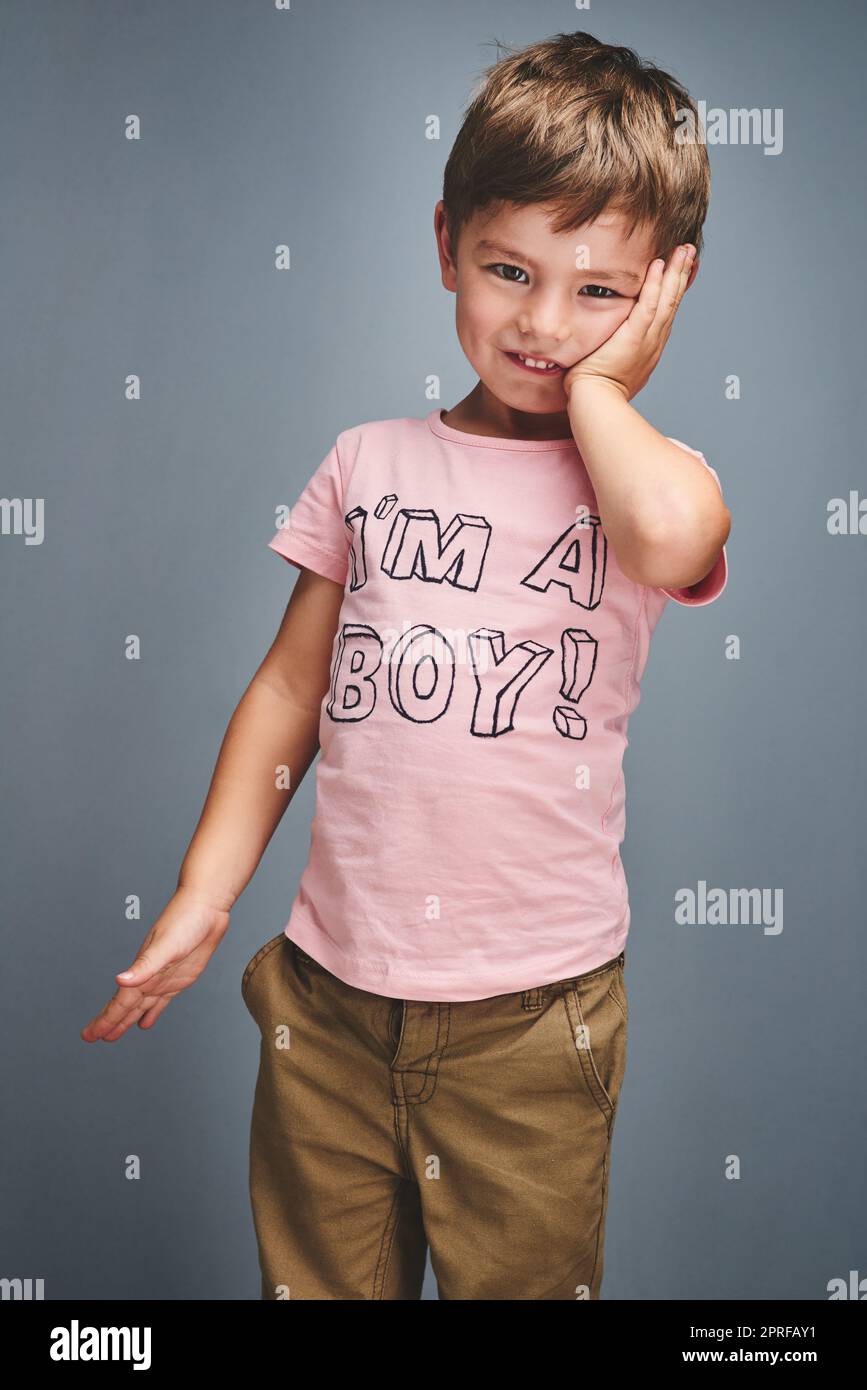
(275, 725)
(666, 519)
(660, 508)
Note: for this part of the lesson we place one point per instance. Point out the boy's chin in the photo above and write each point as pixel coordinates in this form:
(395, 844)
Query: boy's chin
(549, 399)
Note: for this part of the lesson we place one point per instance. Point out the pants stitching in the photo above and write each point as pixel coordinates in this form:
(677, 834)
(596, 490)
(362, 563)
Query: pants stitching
(391, 1223)
(253, 965)
(586, 1059)
(430, 1076)
(612, 992)
(601, 1216)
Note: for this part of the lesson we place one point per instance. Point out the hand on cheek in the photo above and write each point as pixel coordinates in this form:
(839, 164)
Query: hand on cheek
(626, 359)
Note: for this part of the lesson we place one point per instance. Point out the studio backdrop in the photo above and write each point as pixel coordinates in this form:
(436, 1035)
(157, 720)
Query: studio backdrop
(218, 252)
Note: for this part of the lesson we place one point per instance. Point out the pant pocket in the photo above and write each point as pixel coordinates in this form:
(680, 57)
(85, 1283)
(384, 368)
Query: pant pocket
(617, 988)
(253, 964)
(597, 1011)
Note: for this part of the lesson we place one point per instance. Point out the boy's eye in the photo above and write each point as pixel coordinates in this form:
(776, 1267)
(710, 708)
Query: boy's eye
(501, 265)
(507, 272)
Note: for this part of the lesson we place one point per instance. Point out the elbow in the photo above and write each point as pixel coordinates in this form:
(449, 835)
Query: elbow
(669, 558)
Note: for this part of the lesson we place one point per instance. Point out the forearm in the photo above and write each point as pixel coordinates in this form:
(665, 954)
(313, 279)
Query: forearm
(247, 798)
(660, 508)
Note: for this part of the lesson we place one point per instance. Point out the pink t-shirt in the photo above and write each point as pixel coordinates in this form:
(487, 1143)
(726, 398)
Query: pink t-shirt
(470, 800)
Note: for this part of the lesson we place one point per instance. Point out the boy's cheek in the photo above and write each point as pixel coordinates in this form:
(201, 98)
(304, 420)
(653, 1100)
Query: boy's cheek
(607, 324)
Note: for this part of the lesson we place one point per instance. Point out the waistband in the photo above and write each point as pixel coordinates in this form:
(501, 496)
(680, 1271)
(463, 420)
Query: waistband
(530, 996)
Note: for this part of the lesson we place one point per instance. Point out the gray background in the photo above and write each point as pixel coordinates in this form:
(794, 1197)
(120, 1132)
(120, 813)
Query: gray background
(157, 257)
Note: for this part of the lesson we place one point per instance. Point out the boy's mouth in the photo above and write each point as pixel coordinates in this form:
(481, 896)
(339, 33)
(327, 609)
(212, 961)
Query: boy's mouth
(539, 366)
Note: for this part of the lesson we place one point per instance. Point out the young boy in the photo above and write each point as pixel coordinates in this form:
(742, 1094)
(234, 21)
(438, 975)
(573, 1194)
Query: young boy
(444, 1018)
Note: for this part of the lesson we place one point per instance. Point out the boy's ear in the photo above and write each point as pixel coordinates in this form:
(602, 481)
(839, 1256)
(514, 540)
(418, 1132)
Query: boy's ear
(445, 250)
(693, 272)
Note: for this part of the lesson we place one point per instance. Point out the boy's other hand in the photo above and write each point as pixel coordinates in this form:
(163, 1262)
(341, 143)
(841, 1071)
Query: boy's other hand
(171, 958)
(626, 360)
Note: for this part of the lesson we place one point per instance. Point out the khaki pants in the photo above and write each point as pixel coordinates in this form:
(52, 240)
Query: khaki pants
(481, 1129)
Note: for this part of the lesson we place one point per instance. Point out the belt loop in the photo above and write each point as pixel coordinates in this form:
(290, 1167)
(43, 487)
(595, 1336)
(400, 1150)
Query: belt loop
(532, 998)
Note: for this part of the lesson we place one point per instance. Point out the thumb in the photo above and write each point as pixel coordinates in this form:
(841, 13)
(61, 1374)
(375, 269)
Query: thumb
(145, 966)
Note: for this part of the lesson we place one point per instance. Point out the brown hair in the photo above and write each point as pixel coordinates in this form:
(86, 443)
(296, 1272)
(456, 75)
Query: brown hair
(584, 126)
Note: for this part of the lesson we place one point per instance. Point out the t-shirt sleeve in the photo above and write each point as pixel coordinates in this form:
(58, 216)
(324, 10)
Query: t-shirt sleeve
(713, 583)
(314, 533)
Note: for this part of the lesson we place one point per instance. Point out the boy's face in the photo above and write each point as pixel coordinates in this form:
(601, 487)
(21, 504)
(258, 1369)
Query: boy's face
(519, 290)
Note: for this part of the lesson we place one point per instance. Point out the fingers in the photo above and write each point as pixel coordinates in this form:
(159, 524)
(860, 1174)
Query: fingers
(131, 1001)
(131, 1016)
(122, 1009)
(148, 1019)
(127, 1008)
(145, 1013)
(147, 964)
(171, 958)
(651, 291)
(674, 283)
